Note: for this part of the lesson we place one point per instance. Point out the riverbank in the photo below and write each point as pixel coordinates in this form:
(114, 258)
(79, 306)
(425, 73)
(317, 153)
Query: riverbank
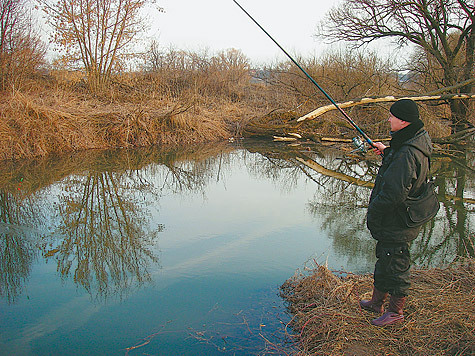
(439, 314)
(58, 113)
(34, 124)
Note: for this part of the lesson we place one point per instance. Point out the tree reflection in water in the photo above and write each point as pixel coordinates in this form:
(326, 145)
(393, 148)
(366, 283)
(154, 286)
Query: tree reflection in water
(19, 237)
(104, 243)
(341, 203)
(106, 240)
(343, 196)
(99, 230)
(342, 193)
(340, 200)
(450, 235)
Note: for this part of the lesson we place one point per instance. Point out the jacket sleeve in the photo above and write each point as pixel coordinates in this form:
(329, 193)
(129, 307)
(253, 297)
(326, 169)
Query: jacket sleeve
(397, 181)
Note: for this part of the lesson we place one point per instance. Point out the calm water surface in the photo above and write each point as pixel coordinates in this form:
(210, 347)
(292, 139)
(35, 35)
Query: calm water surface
(182, 252)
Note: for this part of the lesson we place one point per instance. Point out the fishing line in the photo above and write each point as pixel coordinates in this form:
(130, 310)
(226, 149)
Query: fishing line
(345, 115)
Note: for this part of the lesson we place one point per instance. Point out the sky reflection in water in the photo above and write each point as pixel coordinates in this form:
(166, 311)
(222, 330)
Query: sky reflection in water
(182, 252)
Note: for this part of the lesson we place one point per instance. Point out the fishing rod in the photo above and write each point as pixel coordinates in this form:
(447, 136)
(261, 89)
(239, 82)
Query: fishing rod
(357, 143)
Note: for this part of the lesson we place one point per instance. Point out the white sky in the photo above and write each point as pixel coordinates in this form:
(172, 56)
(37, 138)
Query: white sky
(217, 25)
(220, 24)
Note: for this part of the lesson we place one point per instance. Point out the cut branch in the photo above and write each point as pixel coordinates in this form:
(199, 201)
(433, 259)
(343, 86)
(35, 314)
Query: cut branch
(371, 100)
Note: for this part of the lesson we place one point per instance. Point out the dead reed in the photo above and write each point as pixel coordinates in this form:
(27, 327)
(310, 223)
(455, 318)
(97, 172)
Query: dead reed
(439, 317)
(36, 125)
(187, 98)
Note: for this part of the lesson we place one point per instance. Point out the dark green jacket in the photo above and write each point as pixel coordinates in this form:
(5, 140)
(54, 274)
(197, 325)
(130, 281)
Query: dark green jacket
(404, 169)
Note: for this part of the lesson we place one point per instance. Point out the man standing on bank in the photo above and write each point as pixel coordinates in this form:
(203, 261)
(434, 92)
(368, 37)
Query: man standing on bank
(404, 170)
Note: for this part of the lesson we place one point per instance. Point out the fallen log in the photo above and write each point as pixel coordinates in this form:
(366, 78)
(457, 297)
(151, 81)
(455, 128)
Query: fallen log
(284, 139)
(372, 100)
(335, 139)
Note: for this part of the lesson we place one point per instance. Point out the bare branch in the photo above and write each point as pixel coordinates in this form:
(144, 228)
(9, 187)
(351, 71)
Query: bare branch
(96, 33)
(442, 30)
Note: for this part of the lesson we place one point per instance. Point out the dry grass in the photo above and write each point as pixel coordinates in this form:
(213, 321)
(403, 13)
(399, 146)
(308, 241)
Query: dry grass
(36, 124)
(440, 314)
(191, 99)
(181, 103)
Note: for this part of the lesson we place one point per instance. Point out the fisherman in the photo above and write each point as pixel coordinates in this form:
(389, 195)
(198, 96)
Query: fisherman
(404, 170)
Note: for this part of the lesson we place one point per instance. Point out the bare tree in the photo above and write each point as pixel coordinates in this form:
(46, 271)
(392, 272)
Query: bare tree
(95, 33)
(21, 51)
(442, 29)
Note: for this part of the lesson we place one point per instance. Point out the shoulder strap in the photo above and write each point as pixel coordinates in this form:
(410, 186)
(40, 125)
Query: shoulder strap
(423, 182)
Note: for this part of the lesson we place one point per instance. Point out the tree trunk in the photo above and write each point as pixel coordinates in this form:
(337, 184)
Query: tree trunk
(459, 115)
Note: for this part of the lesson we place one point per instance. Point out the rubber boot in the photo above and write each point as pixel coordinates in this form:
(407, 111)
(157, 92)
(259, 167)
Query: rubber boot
(376, 302)
(394, 313)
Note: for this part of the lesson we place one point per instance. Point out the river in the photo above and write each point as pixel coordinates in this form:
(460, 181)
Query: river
(182, 251)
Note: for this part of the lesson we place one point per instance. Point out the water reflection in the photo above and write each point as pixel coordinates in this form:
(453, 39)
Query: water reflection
(450, 235)
(103, 243)
(102, 237)
(341, 200)
(99, 219)
(90, 217)
(19, 236)
(343, 204)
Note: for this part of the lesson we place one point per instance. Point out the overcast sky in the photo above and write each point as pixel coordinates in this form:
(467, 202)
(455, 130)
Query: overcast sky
(221, 24)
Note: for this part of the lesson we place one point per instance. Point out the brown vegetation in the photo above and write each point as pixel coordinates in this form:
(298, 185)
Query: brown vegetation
(178, 97)
(21, 51)
(442, 33)
(439, 317)
(184, 97)
(62, 116)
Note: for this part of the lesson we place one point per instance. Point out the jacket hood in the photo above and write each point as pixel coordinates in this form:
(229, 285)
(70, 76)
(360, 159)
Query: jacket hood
(421, 141)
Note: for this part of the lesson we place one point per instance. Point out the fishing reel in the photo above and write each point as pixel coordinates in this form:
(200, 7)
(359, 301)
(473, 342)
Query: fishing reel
(359, 145)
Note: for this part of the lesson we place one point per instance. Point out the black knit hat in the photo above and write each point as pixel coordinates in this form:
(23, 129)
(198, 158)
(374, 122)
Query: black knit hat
(406, 110)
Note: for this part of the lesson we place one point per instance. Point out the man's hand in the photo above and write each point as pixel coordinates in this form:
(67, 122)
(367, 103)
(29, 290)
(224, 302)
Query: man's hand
(379, 148)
